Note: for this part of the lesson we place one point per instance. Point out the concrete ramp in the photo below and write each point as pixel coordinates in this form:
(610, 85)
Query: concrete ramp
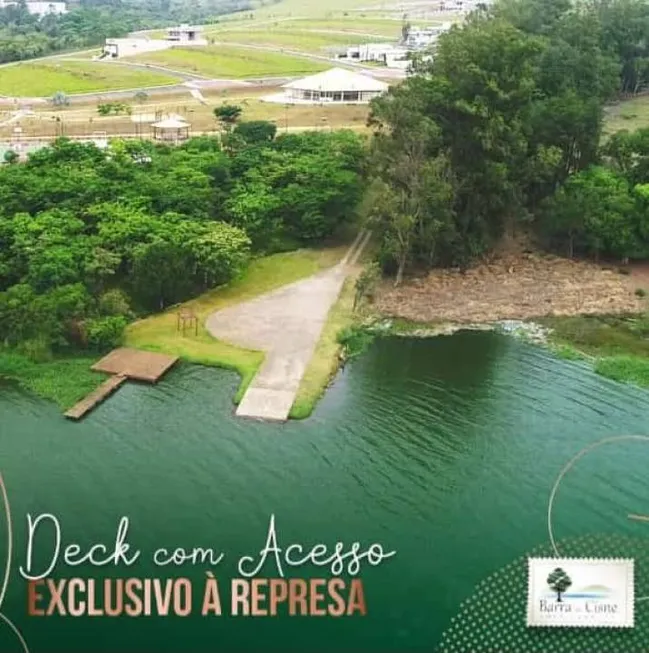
(286, 324)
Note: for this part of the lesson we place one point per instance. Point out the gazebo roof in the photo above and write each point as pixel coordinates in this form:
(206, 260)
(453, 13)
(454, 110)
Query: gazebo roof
(338, 79)
(170, 123)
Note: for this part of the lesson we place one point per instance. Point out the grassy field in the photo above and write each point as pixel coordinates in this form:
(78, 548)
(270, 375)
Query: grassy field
(325, 359)
(386, 27)
(318, 42)
(232, 62)
(294, 8)
(83, 119)
(159, 333)
(63, 381)
(629, 114)
(616, 346)
(332, 27)
(43, 79)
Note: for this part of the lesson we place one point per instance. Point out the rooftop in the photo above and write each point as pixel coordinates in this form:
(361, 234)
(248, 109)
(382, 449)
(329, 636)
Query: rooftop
(338, 79)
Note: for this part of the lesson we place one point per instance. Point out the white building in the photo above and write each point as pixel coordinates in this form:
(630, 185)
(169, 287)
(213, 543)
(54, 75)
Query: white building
(39, 8)
(399, 58)
(182, 36)
(423, 37)
(392, 56)
(186, 35)
(338, 86)
(129, 47)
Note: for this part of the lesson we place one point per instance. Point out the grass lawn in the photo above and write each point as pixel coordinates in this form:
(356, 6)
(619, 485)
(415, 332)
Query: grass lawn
(46, 78)
(618, 346)
(354, 24)
(290, 8)
(306, 41)
(233, 62)
(64, 380)
(325, 360)
(159, 332)
(629, 114)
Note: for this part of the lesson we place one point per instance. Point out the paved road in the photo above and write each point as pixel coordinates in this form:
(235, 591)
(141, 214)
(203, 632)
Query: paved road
(286, 324)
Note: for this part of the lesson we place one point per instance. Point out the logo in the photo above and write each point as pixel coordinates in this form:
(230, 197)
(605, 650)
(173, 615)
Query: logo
(580, 592)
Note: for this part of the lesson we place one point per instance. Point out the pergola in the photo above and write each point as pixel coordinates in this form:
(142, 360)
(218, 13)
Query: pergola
(170, 129)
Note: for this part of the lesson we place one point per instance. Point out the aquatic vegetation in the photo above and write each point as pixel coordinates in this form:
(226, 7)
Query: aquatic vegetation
(61, 380)
(568, 353)
(626, 369)
(355, 340)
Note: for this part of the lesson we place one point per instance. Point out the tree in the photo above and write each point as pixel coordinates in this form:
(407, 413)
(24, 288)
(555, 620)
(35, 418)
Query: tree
(595, 213)
(559, 582)
(255, 132)
(161, 274)
(405, 28)
(10, 156)
(221, 253)
(366, 283)
(60, 99)
(467, 110)
(228, 115)
(90, 238)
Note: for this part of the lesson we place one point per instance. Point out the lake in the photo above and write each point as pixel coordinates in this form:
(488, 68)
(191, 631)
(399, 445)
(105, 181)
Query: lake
(444, 450)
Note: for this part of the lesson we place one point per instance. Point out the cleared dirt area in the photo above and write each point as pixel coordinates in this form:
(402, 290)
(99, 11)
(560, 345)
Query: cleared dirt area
(514, 287)
(82, 119)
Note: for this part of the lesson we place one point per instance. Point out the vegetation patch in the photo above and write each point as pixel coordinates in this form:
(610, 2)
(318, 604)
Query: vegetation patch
(308, 41)
(231, 61)
(626, 369)
(617, 345)
(45, 79)
(353, 24)
(328, 354)
(64, 381)
(160, 332)
(630, 114)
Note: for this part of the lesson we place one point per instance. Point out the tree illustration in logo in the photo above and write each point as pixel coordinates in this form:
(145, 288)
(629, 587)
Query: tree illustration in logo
(559, 582)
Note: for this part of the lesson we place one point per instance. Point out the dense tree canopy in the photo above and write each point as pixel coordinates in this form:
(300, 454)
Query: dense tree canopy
(500, 131)
(90, 237)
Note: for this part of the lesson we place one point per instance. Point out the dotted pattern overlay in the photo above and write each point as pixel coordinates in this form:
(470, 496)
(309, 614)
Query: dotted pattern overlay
(492, 620)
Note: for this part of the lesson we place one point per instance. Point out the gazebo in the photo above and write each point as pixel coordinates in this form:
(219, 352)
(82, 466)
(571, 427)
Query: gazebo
(170, 129)
(337, 86)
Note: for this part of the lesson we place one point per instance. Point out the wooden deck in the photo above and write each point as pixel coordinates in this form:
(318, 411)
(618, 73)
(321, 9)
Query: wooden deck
(96, 397)
(135, 364)
(123, 363)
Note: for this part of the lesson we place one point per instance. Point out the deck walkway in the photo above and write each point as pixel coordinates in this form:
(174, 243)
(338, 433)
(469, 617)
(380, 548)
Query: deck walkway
(123, 363)
(96, 397)
(286, 324)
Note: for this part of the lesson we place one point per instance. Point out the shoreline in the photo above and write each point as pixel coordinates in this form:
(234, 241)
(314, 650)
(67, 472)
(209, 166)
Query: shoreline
(614, 346)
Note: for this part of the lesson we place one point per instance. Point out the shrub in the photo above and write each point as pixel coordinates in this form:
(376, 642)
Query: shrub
(367, 282)
(105, 332)
(625, 369)
(640, 292)
(354, 340)
(36, 349)
(256, 131)
(115, 302)
(60, 99)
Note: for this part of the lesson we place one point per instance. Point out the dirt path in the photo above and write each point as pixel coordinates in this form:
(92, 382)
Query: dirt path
(514, 287)
(286, 324)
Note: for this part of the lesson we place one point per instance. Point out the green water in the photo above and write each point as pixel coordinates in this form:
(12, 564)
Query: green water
(444, 450)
